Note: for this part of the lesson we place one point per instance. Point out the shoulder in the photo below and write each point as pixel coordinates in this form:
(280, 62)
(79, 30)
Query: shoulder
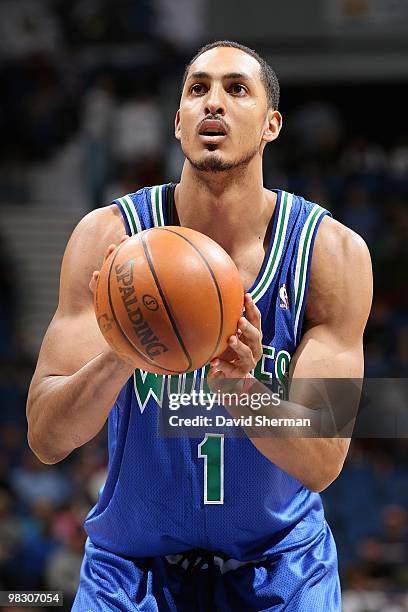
(341, 276)
(87, 246)
(338, 242)
(101, 222)
(96, 230)
(337, 245)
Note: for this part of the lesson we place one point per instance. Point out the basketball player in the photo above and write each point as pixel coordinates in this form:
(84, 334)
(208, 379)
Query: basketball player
(160, 536)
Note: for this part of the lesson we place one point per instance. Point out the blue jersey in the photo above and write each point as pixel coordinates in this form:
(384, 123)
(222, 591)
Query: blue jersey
(156, 499)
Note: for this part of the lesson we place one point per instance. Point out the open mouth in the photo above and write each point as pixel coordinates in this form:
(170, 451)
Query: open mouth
(212, 132)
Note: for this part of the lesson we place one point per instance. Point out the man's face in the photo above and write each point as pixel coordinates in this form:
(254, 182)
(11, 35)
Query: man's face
(223, 121)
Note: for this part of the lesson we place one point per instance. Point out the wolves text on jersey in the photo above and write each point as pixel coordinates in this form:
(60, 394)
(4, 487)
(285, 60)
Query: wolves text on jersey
(272, 366)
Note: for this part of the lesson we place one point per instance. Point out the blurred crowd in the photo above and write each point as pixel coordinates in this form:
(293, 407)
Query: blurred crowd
(364, 182)
(82, 125)
(41, 514)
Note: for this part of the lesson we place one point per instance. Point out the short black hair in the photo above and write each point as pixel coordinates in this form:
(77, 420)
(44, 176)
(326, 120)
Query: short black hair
(268, 75)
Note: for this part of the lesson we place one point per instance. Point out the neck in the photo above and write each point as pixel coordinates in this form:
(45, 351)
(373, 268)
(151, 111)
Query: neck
(232, 207)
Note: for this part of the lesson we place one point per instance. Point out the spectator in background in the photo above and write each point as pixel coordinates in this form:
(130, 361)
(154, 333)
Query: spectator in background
(106, 22)
(87, 463)
(8, 300)
(378, 343)
(400, 358)
(375, 365)
(137, 128)
(71, 514)
(64, 564)
(131, 176)
(180, 24)
(359, 212)
(32, 481)
(11, 534)
(138, 160)
(40, 104)
(310, 180)
(394, 545)
(398, 163)
(380, 567)
(316, 128)
(97, 120)
(365, 161)
(28, 26)
(391, 249)
(12, 440)
(29, 562)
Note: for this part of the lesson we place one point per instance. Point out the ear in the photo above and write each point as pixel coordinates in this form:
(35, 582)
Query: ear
(273, 125)
(177, 129)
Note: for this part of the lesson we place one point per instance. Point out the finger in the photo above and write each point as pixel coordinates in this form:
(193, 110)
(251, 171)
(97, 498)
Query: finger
(243, 352)
(94, 281)
(109, 250)
(252, 337)
(123, 238)
(230, 370)
(214, 378)
(218, 375)
(213, 372)
(252, 312)
(217, 383)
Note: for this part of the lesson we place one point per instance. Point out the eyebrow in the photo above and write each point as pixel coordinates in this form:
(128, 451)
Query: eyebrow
(228, 75)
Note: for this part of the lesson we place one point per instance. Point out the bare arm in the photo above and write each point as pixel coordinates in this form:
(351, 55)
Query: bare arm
(78, 376)
(339, 302)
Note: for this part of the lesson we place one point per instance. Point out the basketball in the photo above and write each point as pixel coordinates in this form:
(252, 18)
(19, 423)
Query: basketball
(168, 299)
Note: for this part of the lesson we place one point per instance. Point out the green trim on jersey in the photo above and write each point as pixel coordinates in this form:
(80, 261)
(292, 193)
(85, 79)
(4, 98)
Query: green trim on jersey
(157, 205)
(211, 449)
(303, 259)
(131, 214)
(277, 247)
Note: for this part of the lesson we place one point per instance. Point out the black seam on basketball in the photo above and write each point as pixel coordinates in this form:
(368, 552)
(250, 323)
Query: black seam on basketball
(166, 305)
(145, 358)
(166, 229)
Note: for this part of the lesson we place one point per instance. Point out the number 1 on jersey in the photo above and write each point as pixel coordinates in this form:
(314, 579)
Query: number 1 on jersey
(211, 449)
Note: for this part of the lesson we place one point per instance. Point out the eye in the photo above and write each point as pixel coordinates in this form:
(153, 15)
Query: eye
(237, 89)
(198, 89)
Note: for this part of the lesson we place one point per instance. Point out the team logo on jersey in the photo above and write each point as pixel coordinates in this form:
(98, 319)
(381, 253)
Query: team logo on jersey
(283, 294)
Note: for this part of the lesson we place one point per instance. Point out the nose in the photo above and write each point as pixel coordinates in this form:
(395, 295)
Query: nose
(215, 103)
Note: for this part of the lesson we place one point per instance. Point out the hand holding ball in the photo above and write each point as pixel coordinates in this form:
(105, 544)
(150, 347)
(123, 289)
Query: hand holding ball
(168, 299)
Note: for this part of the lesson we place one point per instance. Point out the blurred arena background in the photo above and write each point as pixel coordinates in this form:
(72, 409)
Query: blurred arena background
(89, 91)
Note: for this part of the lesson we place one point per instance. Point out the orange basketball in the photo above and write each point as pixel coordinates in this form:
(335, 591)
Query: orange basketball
(168, 299)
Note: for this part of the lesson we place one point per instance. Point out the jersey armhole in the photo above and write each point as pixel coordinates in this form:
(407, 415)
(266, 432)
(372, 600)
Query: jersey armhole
(127, 226)
(130, 214)
(303, 265)
(169, 203)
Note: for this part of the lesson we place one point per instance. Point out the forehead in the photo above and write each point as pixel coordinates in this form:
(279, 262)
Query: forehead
(222, 60)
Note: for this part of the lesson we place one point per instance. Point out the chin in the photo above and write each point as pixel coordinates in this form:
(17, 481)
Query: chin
(211, 161)
(212, 147)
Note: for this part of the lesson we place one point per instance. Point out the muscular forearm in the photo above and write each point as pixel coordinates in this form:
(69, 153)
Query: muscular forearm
(297, 449)
(65, 412)
(315, 462)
